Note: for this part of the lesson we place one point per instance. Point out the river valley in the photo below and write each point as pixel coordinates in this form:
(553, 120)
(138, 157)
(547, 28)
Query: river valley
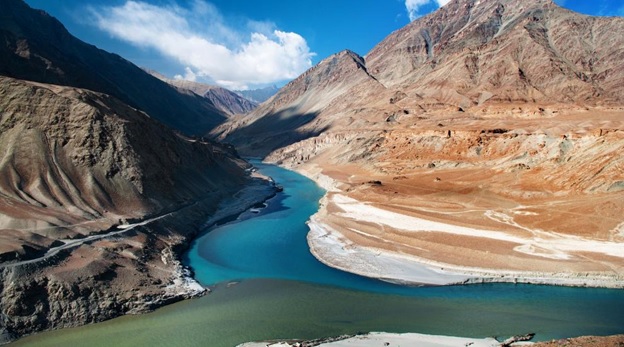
(266, 285)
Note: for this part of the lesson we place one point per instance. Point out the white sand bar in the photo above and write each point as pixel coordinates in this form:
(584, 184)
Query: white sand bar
(330, 246)
(542, 243)
(396, 340)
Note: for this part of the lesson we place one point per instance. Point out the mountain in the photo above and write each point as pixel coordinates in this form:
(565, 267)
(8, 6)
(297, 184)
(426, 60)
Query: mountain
(74, 157)
(505, 116)
(36, 47)
(99, 195)
(223, 99)
(469, 57)
(294, 113)
(258, 95)
(528, 51)
(76, 164)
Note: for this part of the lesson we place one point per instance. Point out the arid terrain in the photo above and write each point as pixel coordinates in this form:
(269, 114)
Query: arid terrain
(481, 142)
(98, 196)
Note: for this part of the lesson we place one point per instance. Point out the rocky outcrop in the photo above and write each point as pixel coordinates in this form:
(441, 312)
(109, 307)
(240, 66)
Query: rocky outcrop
(538, 162)
(36, 47)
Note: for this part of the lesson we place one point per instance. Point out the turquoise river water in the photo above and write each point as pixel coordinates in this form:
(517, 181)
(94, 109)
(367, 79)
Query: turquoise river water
(267, 285)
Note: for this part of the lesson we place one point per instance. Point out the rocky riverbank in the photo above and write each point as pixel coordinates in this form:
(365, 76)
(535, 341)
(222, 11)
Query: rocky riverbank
(129, 273)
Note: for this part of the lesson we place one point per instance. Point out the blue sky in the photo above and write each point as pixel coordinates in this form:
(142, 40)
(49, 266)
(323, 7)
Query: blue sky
(243, 44)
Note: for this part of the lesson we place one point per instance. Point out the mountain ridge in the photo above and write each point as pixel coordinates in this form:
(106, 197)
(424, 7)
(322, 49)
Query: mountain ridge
(55, 56)
(229, 102)
(468, 54)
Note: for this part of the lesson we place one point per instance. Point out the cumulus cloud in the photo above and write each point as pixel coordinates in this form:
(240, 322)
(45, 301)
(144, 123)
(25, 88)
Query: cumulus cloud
(413, 6)
(199, 38)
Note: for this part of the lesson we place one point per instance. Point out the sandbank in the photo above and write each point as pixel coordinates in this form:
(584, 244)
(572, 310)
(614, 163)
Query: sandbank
(376, 339)
(352, 235)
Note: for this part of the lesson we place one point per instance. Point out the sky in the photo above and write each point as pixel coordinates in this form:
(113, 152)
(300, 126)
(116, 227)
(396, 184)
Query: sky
(244, 44)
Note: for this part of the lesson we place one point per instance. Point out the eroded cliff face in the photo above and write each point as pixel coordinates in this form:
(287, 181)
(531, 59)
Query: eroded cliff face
(534, 163)
(76, 164)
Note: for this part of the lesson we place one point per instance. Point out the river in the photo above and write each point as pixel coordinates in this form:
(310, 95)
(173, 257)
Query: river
(267, 285)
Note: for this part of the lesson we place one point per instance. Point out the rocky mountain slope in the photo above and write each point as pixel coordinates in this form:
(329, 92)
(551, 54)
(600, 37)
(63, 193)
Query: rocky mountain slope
(71, 156)
(223, 99)
(523, 51)
(36, 47)
(504, 114)
(98, 195)
(77, 163)
(296, 111)
(469, 55)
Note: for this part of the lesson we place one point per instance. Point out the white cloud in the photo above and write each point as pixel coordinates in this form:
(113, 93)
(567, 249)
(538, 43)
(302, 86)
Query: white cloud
(199, 38)
(189, 75)
(413, 6)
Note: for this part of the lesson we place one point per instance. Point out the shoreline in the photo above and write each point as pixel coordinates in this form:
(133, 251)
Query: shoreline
(332, 248)
(175, 232)
(374, 339)
(243, 200)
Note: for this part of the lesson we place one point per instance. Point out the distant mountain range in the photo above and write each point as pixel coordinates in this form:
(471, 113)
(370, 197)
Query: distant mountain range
(225, 100)
(258, 95)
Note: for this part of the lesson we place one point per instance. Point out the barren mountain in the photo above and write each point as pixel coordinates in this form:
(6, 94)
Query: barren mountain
(225, 100)
(259, 95)
(36, 47)
(499, 116)
(296, 111)
(514, 51)
(76, 164)
(98, 197)
(71, 156)
(469, 55)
